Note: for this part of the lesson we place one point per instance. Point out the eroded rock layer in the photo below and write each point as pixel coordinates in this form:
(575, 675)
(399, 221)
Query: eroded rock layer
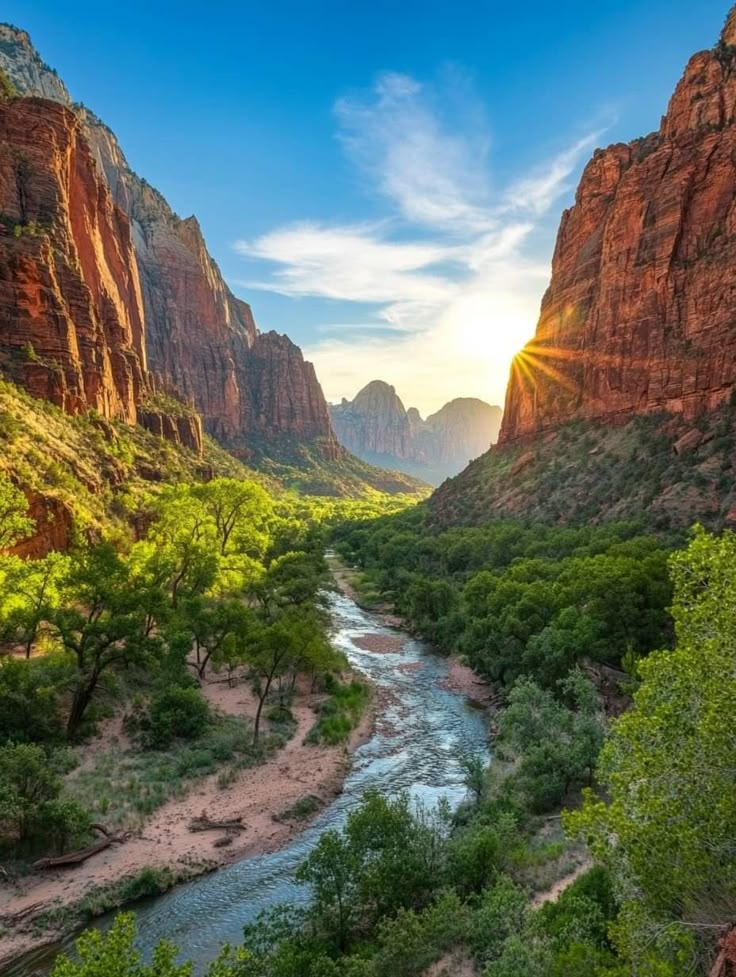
(200, 341)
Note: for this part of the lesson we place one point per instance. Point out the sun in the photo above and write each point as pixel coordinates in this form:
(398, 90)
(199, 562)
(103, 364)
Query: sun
(489, 330)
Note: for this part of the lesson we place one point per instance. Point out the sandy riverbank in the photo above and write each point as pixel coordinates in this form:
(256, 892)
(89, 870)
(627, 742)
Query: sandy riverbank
(257, 795)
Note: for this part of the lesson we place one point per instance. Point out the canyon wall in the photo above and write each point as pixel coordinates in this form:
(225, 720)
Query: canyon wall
(640, 315)
(200, 342)
(71, 311)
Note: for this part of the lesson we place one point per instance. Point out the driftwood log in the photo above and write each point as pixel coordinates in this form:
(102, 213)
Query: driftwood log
(203, 823)
(82, 854)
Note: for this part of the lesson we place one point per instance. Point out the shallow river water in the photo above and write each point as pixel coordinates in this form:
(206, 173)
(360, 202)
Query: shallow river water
(422, 732)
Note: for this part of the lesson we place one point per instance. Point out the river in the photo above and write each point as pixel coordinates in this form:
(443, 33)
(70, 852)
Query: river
(422, 732)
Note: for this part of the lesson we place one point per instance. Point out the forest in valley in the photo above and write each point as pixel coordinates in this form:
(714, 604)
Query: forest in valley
(607, 647)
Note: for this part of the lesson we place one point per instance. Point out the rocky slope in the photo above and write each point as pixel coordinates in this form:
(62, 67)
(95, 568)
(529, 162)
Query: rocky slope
(200, 341)
(640, 315)
(377, 427)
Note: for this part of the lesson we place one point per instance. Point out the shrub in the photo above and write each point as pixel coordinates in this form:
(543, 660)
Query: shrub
(176, 713)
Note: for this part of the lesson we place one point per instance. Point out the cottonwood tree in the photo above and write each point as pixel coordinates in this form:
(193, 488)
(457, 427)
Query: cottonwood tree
(220, 630)
(31, 589)
(181, 551)
(241, 512)
(100, 622)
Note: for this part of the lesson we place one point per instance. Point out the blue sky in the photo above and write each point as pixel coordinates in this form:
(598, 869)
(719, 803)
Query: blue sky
(381, 180)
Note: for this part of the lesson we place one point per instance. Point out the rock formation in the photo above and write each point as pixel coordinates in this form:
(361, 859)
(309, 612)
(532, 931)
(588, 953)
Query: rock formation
(71, 312)
(374, 423)
(200, 341)
(640, 315)
(376, 427)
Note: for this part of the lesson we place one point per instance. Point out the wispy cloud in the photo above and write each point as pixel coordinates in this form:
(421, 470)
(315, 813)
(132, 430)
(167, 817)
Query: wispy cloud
(453, 270)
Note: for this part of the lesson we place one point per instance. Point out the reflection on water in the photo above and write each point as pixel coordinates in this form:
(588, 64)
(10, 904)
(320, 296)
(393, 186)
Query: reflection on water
(421, 734)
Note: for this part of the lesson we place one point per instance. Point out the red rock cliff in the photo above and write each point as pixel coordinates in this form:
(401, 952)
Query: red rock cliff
(201, 341)
(71, 314)
(640, 315)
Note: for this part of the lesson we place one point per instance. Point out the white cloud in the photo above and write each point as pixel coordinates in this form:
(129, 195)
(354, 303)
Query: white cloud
(453, 270)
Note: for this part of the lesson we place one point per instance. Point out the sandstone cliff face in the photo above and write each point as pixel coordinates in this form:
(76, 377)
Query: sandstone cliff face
(25, 68)
(377, 428)
(71, 313)
(640, 315)
(201, 341)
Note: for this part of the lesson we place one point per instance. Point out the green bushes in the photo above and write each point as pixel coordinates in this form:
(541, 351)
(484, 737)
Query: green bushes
(32, 808)
(519, 599)
(177, 713)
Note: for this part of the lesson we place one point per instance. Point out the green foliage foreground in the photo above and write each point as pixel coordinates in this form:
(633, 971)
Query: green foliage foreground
(401, 886)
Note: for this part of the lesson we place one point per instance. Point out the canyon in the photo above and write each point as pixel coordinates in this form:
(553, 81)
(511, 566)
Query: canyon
(377, 427)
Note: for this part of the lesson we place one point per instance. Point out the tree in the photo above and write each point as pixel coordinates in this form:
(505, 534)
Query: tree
(556, 745)
(474, 775)
(332, 869)
(667, 832)
(15, 523)
(27, 782)
(181, 551)
(220, 629)
(65, 822)
(113, 954)
(241, 512)
(32, 590)
(29, 699)
(292, 579)
(100, 621)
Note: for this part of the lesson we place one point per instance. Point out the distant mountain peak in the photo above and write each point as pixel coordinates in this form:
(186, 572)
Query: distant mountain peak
(378, 428)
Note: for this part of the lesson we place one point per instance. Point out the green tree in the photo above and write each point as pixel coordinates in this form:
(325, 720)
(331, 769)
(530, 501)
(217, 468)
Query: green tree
(27, 782)
(32, 589)
(332, 871)
(30, 693)
(100, 621)
(15, 523)
(113, 954)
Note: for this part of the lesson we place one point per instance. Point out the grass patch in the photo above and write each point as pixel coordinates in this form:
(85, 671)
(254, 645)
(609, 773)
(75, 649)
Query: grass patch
(340, 713)
(302, 809)
(125, 785)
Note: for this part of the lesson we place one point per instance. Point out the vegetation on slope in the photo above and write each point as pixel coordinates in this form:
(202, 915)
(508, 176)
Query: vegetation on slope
(589, 472)
(225, 578)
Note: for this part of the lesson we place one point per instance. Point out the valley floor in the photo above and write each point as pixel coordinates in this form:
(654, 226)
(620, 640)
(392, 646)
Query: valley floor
(258, 795)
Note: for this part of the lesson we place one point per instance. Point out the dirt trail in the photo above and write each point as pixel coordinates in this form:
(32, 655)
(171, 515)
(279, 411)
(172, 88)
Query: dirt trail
(555, 891)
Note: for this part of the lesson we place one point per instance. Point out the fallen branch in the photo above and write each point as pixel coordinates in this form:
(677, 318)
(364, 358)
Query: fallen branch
(79, 856)
(203, 823)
